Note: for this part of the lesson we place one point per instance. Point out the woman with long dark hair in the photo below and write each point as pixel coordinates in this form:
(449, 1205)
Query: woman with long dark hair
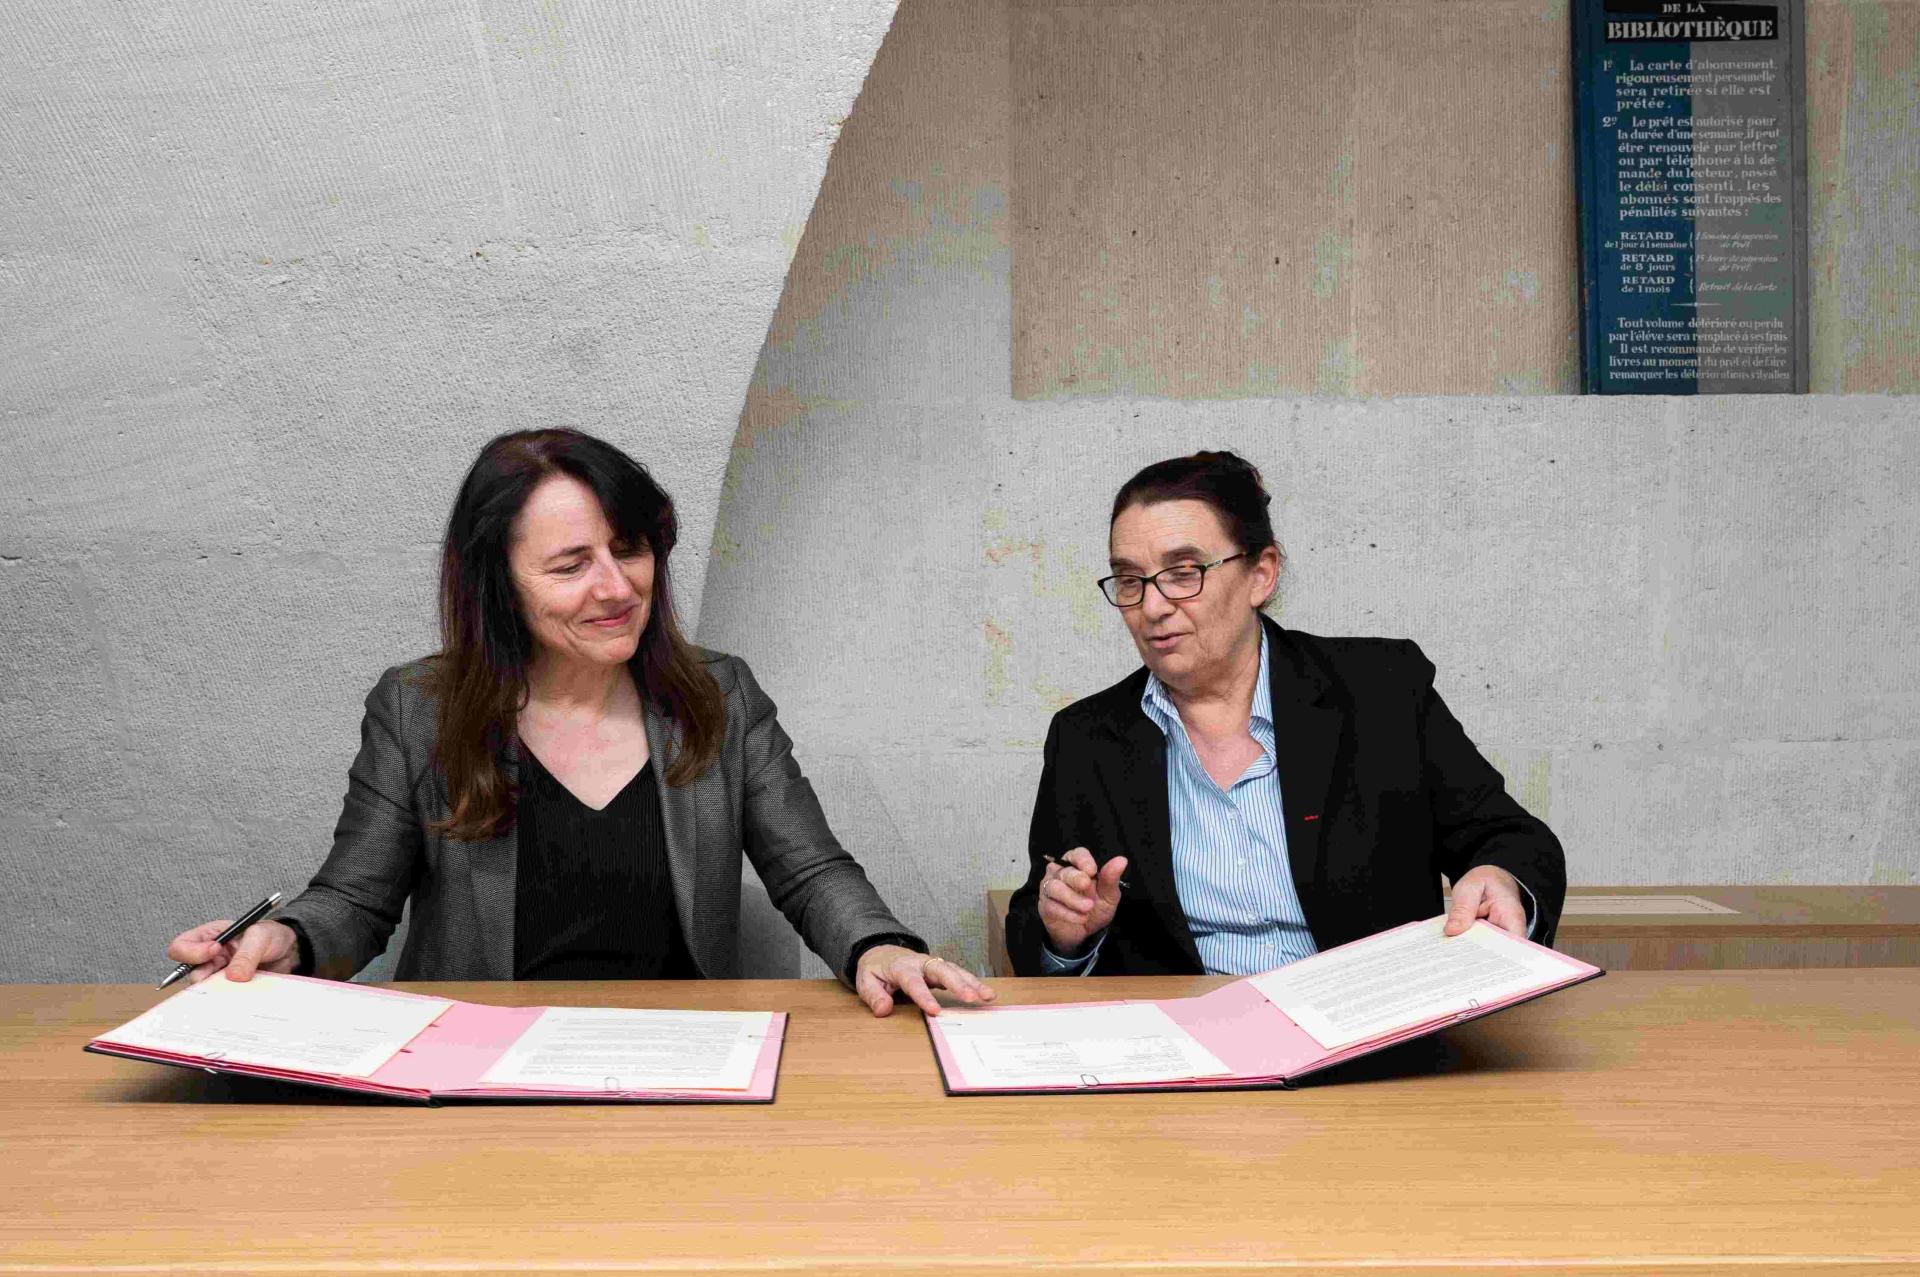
(564, 791)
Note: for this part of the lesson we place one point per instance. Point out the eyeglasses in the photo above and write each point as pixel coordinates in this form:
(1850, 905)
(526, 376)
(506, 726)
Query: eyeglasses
(1181, 581)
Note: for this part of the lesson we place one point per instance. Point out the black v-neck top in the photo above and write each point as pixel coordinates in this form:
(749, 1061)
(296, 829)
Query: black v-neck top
(593, 894)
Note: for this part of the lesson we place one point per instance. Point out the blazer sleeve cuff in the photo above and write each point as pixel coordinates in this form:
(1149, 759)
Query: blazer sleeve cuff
(1052, 963)
(1532, 905)
(303, 946)
(324, 935)
(904, 939)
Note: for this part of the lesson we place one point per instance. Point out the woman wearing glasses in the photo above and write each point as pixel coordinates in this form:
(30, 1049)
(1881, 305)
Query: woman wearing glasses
(1255, 794)
(565, 790)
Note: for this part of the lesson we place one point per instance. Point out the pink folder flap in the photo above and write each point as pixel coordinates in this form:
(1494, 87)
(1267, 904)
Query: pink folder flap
(455, 1050)
(1246, 1032)
(766, 1070)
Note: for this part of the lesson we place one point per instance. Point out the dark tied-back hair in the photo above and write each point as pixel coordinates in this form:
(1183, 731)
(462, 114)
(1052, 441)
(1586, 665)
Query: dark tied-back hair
(480, 675)
(1222, 480)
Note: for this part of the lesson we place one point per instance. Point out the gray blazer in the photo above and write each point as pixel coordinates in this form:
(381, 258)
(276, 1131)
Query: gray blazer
(752, 798)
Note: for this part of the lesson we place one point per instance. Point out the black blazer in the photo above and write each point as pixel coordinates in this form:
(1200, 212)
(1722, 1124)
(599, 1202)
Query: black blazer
(1382, 791)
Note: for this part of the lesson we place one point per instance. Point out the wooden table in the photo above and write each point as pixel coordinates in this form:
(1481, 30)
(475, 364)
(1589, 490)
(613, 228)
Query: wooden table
(1703, 1123)
(1779, 926)
(1657, 929)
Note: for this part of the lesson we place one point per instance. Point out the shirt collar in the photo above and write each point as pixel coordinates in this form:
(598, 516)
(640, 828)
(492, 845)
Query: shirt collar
(1158, 706)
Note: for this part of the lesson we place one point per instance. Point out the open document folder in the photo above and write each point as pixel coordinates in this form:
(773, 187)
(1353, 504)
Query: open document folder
(408, 1046)
(1265, 1030)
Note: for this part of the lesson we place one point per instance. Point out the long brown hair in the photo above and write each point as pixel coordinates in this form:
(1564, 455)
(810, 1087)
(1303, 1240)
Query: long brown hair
(480, 675)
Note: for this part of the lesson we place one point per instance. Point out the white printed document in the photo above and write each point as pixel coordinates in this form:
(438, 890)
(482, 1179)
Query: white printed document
(1405, 977)
(276, 1022)
(1114, 1043)
(413, 1047)
(1265, 1030)
(623, 1049)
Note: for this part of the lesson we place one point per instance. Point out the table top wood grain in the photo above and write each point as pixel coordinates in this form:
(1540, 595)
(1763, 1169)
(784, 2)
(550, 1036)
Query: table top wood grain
(1751, 1122)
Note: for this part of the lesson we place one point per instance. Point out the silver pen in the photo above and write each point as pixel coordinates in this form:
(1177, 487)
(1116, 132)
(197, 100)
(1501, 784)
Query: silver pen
(240, 924)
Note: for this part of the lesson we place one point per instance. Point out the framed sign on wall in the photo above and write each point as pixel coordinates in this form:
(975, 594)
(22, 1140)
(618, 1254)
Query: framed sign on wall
(1690, 154)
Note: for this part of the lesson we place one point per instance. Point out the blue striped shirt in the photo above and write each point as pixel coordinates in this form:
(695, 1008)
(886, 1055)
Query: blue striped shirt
(1229, 849)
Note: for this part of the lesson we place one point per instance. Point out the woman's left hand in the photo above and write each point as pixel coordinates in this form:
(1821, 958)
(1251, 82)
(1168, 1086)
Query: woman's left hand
(887, 969)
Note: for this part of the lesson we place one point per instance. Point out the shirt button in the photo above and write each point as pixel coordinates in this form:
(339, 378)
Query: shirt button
(1242, 862)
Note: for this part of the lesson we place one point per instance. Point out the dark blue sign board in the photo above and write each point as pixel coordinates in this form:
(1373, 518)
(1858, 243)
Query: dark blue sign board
(1690, 153)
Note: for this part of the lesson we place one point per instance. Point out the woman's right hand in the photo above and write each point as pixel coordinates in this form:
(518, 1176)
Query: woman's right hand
(1078, 901)
(265, 946)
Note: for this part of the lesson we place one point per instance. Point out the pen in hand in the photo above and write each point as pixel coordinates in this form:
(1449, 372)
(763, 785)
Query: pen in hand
(1064, 863)
(240, 924)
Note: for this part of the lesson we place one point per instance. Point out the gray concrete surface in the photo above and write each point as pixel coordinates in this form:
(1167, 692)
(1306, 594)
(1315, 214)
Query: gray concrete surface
(269, 275)
(1684, 628)
(268, 278)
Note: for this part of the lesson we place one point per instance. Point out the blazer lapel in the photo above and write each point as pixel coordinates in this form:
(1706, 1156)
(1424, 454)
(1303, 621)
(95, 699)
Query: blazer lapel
(1141, 793)
(493, 866)
(679, 822)
(1306, 735)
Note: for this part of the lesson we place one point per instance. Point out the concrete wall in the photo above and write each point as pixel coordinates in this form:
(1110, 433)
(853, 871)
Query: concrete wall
(1684, 628)
(1251, 197)
(1257, 198)
(269, 275)
(268, 278)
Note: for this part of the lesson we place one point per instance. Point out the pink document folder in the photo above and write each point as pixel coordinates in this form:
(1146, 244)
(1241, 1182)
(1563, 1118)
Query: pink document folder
(1258, 1043)
(449, 1059)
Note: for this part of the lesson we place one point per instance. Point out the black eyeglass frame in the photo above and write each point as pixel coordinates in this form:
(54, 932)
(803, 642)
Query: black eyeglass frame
(1154, 581)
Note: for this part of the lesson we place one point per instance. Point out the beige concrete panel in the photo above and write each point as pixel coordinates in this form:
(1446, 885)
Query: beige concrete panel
(914, 197)
(1464, 243)
(1411, 169)
(925, 147)
(1863, 145)
(1181, 199)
